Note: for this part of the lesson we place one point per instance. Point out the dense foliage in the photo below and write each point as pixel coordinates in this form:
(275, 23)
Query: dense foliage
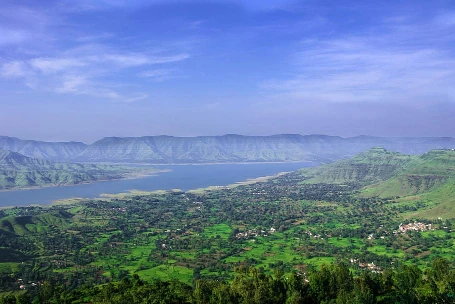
(328, 284)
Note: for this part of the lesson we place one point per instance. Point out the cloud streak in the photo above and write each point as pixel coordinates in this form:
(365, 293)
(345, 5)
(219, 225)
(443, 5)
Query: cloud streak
(95, 63)
(83, 71)
(365, 68)
(159, 74)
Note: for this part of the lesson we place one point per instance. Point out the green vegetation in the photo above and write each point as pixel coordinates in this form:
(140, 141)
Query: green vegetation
(318, 235)
(326, 284)
(19, 171)
(421, 175)
(375, 165)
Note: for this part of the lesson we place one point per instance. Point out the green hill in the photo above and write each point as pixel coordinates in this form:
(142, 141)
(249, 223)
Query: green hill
(429, 178)
(372, 166)
(423, 174)
(18, 171)
(15, 161)
(23, 225)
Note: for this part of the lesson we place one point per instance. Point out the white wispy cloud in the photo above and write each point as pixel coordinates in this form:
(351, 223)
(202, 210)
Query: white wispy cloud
(72, 84)
(167, 59)
(137, 59)
(158, 74)
(54, 65)
(83, 71)
(35, 49)
(126, 60)
(21, 25)
(137, 97)
(390, 65)
(13, 69)
(94, 37)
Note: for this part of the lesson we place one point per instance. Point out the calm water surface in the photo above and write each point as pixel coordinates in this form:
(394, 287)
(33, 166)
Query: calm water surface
(185, 177)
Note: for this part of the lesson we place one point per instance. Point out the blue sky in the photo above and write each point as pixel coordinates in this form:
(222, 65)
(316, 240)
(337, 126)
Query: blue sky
(82, 70)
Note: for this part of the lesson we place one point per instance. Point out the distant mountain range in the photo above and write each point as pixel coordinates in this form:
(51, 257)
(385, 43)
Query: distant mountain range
(41, 149)
(220, 149)
(19, 171)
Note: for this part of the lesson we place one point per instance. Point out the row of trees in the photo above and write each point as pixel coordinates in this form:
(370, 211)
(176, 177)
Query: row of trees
(328, 284)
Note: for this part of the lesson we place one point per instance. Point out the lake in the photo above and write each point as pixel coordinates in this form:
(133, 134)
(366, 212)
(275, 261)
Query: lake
(184, 177)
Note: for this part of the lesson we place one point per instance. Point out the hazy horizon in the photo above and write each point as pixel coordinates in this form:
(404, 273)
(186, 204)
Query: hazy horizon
(84, 70)
(218, 135)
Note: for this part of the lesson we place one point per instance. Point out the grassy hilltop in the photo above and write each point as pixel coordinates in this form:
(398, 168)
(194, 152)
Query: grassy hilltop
(374, 165)
(385, 174)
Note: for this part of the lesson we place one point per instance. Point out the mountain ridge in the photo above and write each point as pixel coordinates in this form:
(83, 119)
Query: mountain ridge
(42, 149)
(228, 148)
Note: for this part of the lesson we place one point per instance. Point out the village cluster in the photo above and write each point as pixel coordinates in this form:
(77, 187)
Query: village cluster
(416, 226)
(254, 233)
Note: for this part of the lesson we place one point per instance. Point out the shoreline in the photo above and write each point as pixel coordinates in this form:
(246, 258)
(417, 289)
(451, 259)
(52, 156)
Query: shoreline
(135, 192)
(249, 181)
(129, 176)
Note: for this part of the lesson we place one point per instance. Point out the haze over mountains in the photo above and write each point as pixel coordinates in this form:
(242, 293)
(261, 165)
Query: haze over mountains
(221, 149)
(19, 171)
(224, 149)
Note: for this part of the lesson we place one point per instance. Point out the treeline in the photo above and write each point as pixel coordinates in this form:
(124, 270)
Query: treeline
(328, 284)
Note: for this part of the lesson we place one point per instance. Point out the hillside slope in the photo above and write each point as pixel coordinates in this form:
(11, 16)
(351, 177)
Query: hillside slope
(428, 179)
(42, 150)
(22, 225)
(17, 171)
(374, 165)
(425, 173)
(15, 161)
